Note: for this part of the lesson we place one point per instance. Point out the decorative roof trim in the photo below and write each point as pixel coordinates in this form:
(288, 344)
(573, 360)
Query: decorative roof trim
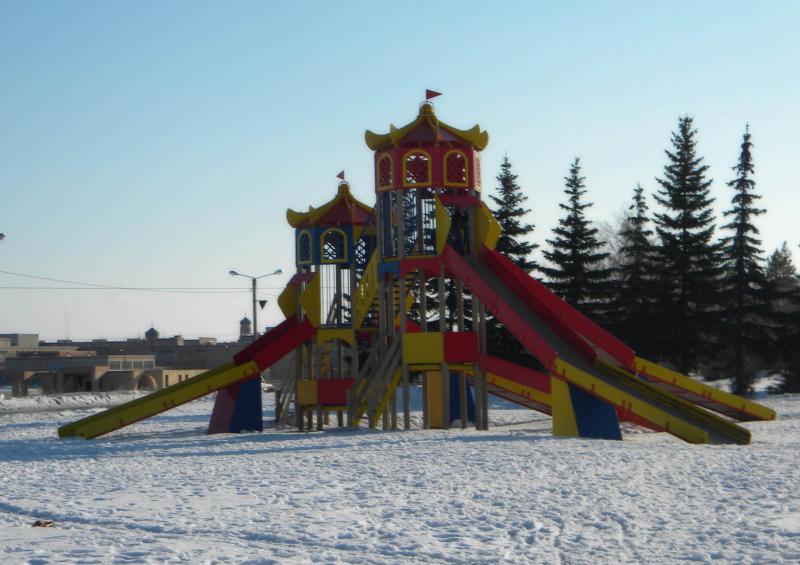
(314, 215)
(376, 141)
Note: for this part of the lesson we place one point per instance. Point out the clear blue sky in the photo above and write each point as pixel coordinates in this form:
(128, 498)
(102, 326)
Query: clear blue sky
(158, 144)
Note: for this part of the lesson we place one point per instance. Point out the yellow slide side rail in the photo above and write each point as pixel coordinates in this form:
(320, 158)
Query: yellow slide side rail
(714, 394)
(609, 393)
(175, 395)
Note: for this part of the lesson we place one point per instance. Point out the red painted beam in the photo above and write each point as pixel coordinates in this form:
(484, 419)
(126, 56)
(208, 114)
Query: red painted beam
(431, 265)
(517, 373)
(274, 334)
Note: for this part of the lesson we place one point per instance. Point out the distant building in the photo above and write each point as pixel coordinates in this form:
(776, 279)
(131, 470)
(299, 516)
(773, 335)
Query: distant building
(87, 372)
(245, 330)
(103, 365)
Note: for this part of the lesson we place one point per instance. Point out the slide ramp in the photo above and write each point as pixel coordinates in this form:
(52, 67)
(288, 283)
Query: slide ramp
(517, 384)
(247, 364)
(559, 312)
(570, 358)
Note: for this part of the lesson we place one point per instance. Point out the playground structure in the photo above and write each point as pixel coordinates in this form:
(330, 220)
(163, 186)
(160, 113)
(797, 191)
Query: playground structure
(389, 295)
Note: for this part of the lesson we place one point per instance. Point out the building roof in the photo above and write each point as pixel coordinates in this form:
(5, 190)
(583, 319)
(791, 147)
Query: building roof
(426, 128)
(344, 209)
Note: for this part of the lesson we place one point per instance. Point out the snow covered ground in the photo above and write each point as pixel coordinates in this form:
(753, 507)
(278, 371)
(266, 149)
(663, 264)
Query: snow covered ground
(162, 491)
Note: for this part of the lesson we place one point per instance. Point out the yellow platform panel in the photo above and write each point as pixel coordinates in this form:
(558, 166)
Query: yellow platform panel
(306, 392)
(423, 347)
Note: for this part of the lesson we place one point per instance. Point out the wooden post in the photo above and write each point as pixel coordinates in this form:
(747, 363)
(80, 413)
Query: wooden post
(406, 399)
(478, 374)
(354, 368)
(403, 323)
(444, 372)
(420, 226)
(462, 378)
(426, 422)
(423, 301)
(484, 392)
(298, 363)
(474, 244)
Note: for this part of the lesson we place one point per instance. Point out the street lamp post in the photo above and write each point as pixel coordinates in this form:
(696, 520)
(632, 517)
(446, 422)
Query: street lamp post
(255, 301)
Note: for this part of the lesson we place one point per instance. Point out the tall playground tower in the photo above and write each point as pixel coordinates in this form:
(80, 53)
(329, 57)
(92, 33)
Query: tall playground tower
(389, 308)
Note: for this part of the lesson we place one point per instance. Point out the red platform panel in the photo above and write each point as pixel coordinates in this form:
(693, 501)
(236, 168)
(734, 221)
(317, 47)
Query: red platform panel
(460, 347)
(333, 392)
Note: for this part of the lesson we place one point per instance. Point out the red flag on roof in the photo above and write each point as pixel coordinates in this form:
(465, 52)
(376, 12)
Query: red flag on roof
(340, 175)
(431, 94)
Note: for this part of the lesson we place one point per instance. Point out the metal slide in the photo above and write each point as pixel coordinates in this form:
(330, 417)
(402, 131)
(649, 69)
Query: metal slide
(515, 383)
(247, 364)
(561, 314)
(660, 409)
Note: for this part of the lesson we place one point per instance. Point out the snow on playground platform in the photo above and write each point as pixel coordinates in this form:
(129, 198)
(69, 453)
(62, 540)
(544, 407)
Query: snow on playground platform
(162, 491)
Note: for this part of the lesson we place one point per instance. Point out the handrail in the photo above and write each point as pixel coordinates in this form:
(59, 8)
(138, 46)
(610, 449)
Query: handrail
(361, 399)
(366, 290)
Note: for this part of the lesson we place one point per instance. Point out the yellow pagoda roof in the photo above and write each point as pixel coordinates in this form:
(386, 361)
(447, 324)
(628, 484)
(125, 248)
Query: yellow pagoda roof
(437, 131)
(343, 209)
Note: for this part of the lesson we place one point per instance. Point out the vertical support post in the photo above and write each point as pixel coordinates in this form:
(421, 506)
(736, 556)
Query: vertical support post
(444, 372)
(406, 399)
(462, 378)
(478, 374)
(474, 244)
(423, 300)
(255, 312)
(420, 225)
(484, 391)
(403, 323)
(354, 368)
(339, 375)
(426, 419)
(298, 365)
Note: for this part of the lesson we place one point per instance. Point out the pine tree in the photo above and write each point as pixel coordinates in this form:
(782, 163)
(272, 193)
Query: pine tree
(515, 243)
(577, 274)
(745, 295)
(634, 282)
(687, 255)
(510, 211)
(781, 272)
(784, 287)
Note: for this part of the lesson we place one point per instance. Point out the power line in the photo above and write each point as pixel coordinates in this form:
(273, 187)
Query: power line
(198, 290)
(98, 286)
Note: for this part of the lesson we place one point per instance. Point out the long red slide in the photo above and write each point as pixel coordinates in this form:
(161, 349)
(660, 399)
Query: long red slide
(554, 342)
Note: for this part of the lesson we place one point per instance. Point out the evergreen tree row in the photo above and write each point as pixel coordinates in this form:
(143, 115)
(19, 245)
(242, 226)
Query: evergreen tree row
(675, 291)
